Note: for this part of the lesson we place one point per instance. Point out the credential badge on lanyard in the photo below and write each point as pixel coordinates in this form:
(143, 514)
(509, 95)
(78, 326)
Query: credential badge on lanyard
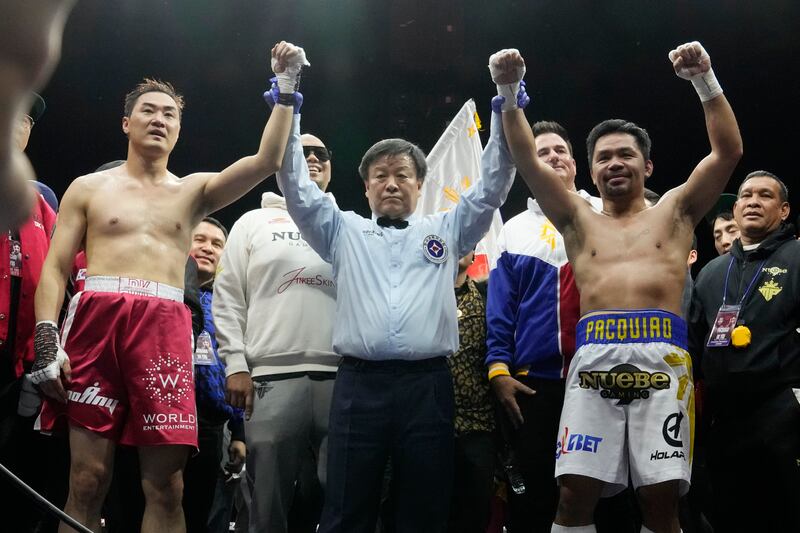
(204, 352)
(727, 318)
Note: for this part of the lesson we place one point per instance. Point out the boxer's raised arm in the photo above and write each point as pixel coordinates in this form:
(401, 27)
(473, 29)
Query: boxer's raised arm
(226, 187)
(710, 176)
(557, 202)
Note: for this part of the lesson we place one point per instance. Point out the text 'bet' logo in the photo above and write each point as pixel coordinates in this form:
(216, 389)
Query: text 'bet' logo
(577, 442)
(671, 430)
(624, 383)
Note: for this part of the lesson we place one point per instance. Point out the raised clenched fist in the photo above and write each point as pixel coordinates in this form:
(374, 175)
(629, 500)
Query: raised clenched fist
(689, 60)
(507, 66)
(287, 56)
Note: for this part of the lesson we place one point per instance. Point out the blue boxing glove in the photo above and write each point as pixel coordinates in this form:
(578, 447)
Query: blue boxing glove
(273, 96)
(522, 99)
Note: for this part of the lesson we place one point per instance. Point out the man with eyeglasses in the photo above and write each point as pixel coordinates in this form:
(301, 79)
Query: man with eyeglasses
(22, 253)
(273, 309)
(26, 121)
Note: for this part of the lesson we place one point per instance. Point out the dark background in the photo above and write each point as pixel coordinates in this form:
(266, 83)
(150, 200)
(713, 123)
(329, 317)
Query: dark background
(404, 67)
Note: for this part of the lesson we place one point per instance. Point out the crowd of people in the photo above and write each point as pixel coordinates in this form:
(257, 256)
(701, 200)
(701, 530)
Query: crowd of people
(315, 370)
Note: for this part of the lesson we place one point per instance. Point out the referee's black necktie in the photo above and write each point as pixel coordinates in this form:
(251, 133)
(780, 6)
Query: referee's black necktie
(398, 223)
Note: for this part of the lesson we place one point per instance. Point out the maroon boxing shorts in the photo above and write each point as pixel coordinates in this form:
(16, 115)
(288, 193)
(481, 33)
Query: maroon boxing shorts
(129, 343)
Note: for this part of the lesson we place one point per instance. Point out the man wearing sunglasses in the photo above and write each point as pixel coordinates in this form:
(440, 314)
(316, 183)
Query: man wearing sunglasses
(273, 310)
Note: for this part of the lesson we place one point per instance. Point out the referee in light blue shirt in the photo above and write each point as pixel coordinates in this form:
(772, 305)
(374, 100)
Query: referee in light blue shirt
(395, 324)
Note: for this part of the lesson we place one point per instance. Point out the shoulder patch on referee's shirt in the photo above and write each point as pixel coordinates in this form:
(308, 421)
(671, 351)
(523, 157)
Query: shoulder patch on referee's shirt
(435, 249)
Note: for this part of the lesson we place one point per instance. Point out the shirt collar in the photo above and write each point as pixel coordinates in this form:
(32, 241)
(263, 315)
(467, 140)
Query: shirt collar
(412, 219)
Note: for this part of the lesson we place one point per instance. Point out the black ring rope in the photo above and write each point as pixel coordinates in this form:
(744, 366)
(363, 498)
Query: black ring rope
(41, 501)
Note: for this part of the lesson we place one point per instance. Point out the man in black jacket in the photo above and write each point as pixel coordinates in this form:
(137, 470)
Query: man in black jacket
(744, 333)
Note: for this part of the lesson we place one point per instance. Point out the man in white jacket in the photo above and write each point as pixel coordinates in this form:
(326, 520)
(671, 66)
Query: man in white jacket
(273, 309)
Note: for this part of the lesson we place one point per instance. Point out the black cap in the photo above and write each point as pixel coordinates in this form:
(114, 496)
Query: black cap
(37, 107)
(724, 204)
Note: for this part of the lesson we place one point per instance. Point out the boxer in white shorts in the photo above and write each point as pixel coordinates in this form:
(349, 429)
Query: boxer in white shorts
(622, 396)
(629, 405)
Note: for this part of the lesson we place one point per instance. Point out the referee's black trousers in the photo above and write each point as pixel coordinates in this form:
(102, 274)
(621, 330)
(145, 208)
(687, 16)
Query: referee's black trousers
(398, 409)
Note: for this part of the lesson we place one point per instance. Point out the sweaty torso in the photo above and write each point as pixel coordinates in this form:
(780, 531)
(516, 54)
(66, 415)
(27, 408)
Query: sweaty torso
(634, 262)
(140, 228)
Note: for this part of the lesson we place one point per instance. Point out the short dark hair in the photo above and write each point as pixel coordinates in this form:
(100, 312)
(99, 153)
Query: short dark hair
(651, 196)
(149, 85)
(391, 148)
(551, 126)
(214, 222)
(724, 215)
(694, 242)
(784, 191)
(617, 125)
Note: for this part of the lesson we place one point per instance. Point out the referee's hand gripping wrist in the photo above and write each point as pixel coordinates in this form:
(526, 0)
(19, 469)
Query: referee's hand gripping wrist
(288, 61)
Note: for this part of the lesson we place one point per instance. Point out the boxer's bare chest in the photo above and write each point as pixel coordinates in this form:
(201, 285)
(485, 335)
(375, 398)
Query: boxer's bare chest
(127, 207)
(630, 262)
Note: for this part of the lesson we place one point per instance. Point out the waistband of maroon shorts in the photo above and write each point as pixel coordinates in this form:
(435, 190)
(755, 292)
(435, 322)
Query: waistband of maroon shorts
(135, 286)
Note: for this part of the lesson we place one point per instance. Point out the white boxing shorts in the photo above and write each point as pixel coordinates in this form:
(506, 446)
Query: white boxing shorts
(629, 404)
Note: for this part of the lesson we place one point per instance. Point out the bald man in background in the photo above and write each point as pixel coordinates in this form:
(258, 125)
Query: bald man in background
(271, 285)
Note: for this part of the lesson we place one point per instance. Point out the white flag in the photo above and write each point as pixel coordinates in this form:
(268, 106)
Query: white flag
(454, 165)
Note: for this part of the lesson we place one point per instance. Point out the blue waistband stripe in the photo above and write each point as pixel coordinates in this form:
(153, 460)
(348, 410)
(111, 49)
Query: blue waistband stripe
(631, 327)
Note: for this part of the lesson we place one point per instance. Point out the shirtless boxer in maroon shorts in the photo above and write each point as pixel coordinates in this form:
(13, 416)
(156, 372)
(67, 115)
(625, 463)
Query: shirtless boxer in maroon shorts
(130, 376)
